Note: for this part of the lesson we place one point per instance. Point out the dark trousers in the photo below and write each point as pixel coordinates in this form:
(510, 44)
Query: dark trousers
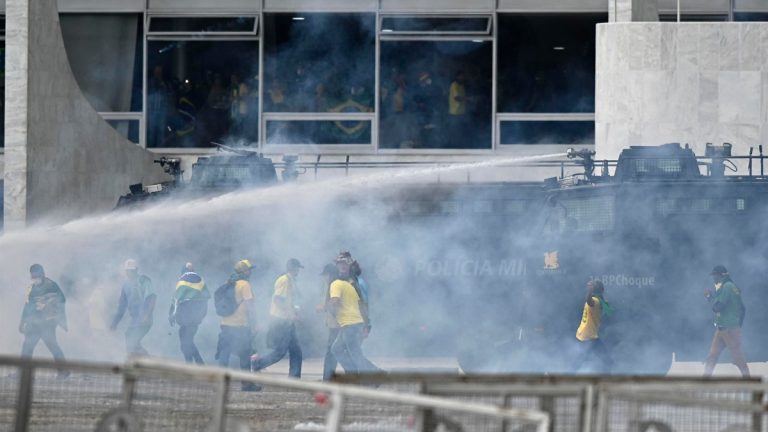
(731, 338)
(234, 341)
(133, 336)
(188, 347)
(283, 340)
(595, 357)
(46, 331)
(330, 362)
(349, 352)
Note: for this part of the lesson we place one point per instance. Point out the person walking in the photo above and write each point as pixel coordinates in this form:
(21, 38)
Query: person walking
(42, 314)
(234, 302)
(329, 274)
(281, 336)
(596, 309)
(729, 312)
(344, 305)
(189, 306)
(138, 298)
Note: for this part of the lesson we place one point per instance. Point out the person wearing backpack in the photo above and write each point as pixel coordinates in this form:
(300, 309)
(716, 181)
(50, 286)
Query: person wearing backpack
(137, 298)
(596, 309)
(282, 328)
(729, 312)
(235, 305)
(189, 306)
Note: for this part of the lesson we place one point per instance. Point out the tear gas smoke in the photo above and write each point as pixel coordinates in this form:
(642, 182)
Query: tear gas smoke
(310, 221)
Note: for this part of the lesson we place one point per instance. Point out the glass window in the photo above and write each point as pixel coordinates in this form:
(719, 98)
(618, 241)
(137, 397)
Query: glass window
(693, 17)
(202, 91)
(547, 132)
(317, 62)
(319, 132)
(435, 25)
(546, 63)
(750, 16)
(436, 94)
(105, 53)
(202, 24)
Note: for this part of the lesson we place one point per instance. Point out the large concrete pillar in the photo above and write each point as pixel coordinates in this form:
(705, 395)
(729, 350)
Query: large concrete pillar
(62, 161)
(681, 82)
(633, 10)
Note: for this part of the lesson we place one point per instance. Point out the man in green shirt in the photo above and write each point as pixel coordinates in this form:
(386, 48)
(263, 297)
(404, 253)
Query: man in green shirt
(729, 316)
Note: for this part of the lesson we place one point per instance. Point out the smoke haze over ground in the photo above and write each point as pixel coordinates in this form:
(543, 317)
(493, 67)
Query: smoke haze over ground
(311, 222)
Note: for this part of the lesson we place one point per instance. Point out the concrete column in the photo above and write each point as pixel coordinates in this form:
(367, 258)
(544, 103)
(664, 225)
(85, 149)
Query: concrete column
(690, 83)
(62, 161)
(633, 10)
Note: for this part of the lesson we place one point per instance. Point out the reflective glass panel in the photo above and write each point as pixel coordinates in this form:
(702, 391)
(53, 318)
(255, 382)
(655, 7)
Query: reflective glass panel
(436, 94)
(202, 91)
(319, 62)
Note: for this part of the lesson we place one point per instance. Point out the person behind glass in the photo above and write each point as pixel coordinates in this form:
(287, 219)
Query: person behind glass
(345, 306)
(596, 309)
(189, 306)
(42, 313)
(329, 274)
(729, 312)
(457, 110)
(237, 328)
(138, 299)
(282, 329)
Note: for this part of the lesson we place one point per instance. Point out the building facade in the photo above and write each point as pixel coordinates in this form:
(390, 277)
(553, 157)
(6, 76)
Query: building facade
(367, 80)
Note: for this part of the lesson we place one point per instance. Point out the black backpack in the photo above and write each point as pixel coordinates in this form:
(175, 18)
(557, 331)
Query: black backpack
(224, 299)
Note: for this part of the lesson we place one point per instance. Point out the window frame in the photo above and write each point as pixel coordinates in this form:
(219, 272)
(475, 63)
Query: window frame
(385, 32)
(254, 32)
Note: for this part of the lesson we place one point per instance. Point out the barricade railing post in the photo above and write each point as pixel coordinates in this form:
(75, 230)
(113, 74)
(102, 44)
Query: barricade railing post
(129, 389)
(547, 404)
(425, 417)
(504, 421)
(587, 408)
(602, 411)
(757, 418)
(219, 420)
(336, 413)
(24, 398)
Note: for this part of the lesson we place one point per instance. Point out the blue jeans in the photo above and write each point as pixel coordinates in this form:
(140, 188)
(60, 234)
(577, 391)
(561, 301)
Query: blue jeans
(329, 365)
(349, 352)
(282, 334)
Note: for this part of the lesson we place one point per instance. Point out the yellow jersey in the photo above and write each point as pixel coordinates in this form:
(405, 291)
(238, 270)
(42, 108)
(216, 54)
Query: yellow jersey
(284, 288)
(457, 107)
(590, 321)
(349, 308)
(243, 293)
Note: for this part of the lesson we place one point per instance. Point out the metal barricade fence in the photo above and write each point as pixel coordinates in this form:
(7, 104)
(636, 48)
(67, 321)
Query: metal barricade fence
(694, 406)
(606, 403)
(154, 395)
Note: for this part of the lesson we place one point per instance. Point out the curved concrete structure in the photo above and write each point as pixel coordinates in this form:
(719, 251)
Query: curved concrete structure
(62, 161)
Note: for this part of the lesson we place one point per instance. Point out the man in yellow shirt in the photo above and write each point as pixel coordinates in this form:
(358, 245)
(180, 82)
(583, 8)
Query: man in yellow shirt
(588, 333)
(238, 327)
(282, 329)
(344, 305)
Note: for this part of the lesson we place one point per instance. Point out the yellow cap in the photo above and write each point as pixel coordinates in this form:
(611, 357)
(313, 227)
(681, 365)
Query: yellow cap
(243, 266)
